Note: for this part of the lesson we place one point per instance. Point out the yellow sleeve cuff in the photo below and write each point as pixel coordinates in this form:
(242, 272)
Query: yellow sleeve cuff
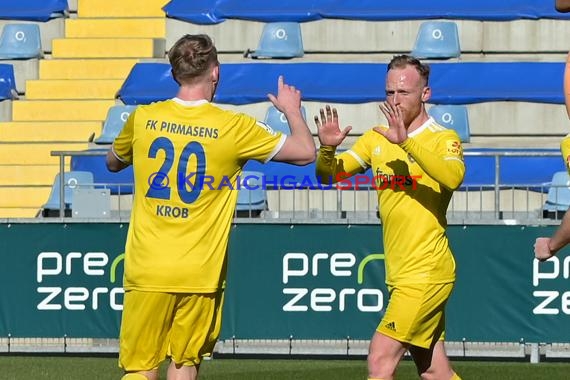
(327, 149)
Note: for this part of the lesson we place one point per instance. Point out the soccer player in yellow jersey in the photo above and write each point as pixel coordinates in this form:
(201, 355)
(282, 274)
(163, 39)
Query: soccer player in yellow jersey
(419, 164)
(187, 155)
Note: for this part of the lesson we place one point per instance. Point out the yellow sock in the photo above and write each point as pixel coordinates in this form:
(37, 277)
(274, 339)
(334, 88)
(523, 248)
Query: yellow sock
(134, 376)
(455, 377)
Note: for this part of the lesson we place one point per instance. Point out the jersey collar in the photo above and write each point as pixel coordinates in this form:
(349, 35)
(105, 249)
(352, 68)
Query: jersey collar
(422, 127)
(190, 103)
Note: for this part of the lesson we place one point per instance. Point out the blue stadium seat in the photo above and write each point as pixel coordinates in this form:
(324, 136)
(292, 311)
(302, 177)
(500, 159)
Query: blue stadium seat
(20, 41)
(280, 40)
(277, 120)
(437, 40)
(72, 180)
(120, 183)
(453, 117)
(7, 82)
(252, 196)
(116, 118)
(558, 198)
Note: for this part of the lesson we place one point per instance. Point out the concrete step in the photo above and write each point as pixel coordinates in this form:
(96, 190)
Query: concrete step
(18, 212)
(21, 197)
(85, 68)
(72, 88)
(119, 27)
(60, 110)
(123, 8)
(108, 47)
(35, 154)
(28, 174)
(62, 131)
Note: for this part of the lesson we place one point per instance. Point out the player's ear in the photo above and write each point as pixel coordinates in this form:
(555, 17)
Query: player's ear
(173, 77)
(426, 94)
(215, 74)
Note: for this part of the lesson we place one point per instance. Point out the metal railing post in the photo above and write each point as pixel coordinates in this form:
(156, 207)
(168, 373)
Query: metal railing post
(61, 186)
(497, 184)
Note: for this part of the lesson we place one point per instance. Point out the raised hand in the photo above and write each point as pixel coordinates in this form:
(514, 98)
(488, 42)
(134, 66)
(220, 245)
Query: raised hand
(542, 249)
(288, 99)
(396, 132)
(328, 129)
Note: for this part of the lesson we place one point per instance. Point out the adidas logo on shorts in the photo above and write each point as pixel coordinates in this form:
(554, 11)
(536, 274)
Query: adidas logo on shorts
(391, 326)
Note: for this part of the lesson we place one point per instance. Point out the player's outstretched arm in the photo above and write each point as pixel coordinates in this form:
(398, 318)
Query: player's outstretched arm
(299, 147)
(545, 248)
(444, 163)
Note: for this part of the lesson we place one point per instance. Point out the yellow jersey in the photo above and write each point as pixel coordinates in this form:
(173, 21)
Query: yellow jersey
(415, 181)
(186, 158)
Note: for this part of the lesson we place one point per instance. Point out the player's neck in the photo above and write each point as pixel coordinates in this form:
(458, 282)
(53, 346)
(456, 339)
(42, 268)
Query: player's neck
(418, 121)
(195, 92)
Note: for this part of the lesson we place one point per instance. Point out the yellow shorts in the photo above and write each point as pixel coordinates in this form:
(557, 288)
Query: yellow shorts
(416, 313)
(157, 325)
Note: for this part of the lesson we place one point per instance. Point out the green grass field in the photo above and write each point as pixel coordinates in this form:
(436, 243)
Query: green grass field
(84, 368)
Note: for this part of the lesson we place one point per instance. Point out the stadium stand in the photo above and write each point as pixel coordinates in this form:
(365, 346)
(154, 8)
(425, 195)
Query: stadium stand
(500, 118)
(279, 40)
(48, 15)
(437, 40)
(353, 86)
(68, 95)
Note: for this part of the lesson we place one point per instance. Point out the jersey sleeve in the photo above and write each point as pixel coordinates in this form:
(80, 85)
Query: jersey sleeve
(330, 167)
(256, 140)
(123, 145)
(565, 150)
(444, 162)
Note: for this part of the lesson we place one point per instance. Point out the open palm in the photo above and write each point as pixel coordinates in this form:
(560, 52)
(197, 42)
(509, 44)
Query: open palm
(328, 128)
